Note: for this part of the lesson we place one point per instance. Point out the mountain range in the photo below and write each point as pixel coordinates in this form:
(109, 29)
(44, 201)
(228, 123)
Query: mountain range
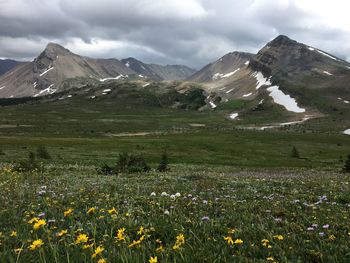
(7, 64)
(285, 80)
(57, 69)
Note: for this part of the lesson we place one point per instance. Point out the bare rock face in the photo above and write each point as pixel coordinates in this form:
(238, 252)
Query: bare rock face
(223, 66)
(159, 72)
(46, 73)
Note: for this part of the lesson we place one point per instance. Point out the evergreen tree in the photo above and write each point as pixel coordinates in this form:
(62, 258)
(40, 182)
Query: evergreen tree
(164, 162)
(295, 153)
(346, 168)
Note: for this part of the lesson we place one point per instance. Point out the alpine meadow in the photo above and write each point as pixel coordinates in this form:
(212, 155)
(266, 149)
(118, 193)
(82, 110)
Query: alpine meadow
(112, 159)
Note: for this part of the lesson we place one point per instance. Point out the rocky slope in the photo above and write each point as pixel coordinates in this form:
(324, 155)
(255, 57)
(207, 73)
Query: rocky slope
(46, 74)
(159, 72)
(300, 79)
(7, 64)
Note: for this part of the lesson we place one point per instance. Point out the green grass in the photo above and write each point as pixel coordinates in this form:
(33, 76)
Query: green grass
(281, 207)
(233, 182)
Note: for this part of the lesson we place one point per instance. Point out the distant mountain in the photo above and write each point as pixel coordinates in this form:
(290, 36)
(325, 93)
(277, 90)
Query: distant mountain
(223, 67)
(300, 79)
(159, 72)
(7, 65)
(48, 72)
(57, 69)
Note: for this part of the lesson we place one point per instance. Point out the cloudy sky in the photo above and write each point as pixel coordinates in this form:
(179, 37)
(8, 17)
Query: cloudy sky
(191, 32)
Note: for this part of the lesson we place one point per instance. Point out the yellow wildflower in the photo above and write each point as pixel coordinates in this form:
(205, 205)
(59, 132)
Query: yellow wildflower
(87, 246)
(82, 238)
(121, 234)
(91, 211)
(13, 233)
(238, 241)
(39, 224)
(153, 260)
(136, 242)
(18, 250)
(33, 220)
(141, 230)
(265, 242)
(62, 233)
(270, 259)
(332, 237)
(98, 251)
(112, 211)
(231, 230)
(160, 249)
(279, 237)
(68, 212)
(229, 240)
(102, 260)
(180, 241)
(36, 244)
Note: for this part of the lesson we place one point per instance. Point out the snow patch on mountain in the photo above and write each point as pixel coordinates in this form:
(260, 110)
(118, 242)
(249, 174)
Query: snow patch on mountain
(285, 100)
(146, 85)
(2, 87)
(247, 63)
(217, 76)
(48, 90)
(347, 132)
(233, 116)
(261, 80)
(327, 73)
(116, 78)
(247, 95)
(46, 71)
(212, 105)
(325, 54)
(230, 90)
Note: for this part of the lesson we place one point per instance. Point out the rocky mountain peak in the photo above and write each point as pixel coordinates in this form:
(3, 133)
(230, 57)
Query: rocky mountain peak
(282, 40)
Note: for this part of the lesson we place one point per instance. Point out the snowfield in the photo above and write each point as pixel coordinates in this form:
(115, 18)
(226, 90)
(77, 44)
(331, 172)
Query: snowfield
(2, 87)
(116, 78)
(247, 95)
(217, 76)
(233, 116)
(327, 73)
(48, 90)
(50, 68)
(285, 100)
(261, 80)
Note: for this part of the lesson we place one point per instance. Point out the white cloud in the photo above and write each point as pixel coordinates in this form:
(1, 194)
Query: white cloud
(194, 32)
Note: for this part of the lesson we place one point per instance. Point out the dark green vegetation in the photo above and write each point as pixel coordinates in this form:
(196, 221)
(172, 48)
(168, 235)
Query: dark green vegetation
(147, 121)
(279, 194)
(289, 216)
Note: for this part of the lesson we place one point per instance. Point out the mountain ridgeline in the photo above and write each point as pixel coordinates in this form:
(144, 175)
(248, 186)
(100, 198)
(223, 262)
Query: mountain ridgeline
(57, 69)
(285, 81)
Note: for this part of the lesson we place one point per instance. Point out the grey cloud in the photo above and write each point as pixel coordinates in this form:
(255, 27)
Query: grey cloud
(192, 32)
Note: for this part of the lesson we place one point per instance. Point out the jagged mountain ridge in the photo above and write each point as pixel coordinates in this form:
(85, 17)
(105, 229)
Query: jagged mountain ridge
(159, 72)
(7, 64)
(49, 72)
(301, 78)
